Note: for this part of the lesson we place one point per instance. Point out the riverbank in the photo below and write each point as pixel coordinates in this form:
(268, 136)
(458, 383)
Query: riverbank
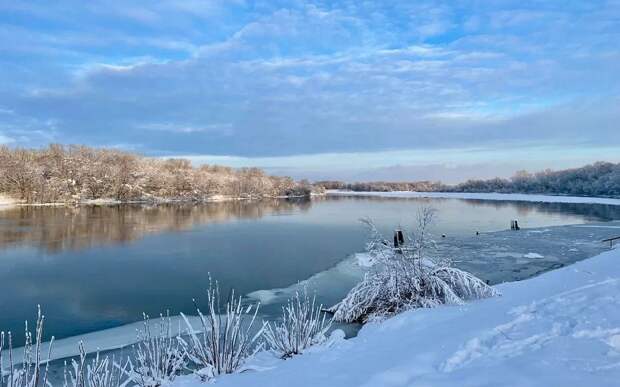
(560, 328)
(482, 196)
(7, 202)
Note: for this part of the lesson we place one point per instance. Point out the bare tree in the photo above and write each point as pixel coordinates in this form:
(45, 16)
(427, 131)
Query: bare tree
(78, 173)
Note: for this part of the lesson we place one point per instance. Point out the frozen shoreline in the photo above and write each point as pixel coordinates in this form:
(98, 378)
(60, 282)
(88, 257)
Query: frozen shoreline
(483, 196)
(560, 328)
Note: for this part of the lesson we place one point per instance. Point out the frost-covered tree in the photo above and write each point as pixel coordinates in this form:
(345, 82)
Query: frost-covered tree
(406, 277)
(598, 179)
(303, 324)
(76, 173)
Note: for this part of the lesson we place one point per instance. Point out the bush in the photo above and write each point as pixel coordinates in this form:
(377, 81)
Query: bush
(226, 340)
(407, 277)
(29, 372)
(302, 326)
(100, 372)
(159, 357)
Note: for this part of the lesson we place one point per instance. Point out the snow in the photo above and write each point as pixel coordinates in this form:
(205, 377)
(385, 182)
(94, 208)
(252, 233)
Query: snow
(533, 255)
(598, 226)
(365, 260)
(6, 202)
(560, 328)
(483, 196)
(101, 201)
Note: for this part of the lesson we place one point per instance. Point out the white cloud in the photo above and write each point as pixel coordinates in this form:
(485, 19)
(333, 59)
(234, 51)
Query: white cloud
(221, 128)
(301, 78)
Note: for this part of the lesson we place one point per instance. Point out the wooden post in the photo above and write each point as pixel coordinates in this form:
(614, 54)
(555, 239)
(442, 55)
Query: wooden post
(399, 238)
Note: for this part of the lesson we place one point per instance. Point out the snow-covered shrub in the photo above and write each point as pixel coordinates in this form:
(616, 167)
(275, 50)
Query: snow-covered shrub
(32, 371)
(226, 339)
(98, 372)
(159, 356)
(407, 277)
(302, 325)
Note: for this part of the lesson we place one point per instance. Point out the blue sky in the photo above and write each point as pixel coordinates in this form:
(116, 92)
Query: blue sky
(357, 90)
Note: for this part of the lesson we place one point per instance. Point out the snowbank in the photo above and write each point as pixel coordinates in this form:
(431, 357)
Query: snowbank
(483, 196)
(6, 202)
(561, 328)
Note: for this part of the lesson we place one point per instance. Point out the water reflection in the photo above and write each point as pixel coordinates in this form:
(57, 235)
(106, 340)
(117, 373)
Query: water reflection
(55, 229)
(589, 211)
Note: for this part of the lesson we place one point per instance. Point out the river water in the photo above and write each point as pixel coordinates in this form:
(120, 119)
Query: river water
(97, 267)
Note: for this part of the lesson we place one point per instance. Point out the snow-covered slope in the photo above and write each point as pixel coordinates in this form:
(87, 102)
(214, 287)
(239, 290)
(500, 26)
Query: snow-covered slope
(483, 196)
(559, 329)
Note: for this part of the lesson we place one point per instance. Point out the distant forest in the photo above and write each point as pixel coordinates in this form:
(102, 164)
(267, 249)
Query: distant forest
(598, 179)
(66, 174)
(74, 174)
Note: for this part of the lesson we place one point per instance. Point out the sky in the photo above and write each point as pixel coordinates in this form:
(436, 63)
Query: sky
(353, 90)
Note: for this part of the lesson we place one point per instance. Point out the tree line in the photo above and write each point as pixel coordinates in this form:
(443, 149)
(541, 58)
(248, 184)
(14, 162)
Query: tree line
(598, 179)
(76, 173)
(381, 186)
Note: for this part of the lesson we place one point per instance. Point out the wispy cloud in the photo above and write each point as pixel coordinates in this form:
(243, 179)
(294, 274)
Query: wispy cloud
(284, 78)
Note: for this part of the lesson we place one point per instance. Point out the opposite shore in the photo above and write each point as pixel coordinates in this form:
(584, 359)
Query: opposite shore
(7, 202)
(10, 203)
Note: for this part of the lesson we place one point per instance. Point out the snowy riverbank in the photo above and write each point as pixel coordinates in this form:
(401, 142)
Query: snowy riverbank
(560, 328)
(6, 202)
(483, 196)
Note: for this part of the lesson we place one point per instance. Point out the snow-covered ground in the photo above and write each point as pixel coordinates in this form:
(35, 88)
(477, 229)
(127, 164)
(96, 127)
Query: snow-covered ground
(6, 202)
(483, 196)
(561, 328)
